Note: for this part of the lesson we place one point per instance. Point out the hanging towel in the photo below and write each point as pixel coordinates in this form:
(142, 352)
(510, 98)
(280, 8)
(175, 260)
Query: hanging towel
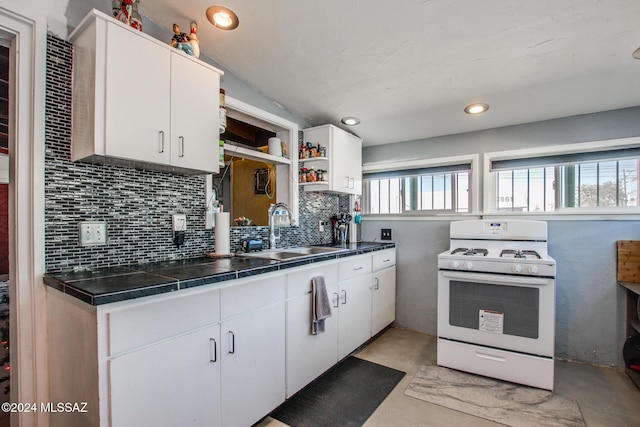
(320, 307)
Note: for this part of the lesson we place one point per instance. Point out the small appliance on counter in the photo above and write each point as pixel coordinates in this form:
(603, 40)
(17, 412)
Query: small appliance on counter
(251, 245)
(340, 225)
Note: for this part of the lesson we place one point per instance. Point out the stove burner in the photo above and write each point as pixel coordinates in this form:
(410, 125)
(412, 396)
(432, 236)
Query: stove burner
(513, 253)
(470, 252)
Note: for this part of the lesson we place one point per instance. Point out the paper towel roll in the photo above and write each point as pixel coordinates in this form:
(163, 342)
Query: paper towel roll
(222, 233)
(275, 146)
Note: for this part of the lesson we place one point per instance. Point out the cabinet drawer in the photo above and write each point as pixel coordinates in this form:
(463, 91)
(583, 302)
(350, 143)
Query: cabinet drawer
(354, 266)
(299, 282)
(384, 259)
(252, 294)
(150, 322)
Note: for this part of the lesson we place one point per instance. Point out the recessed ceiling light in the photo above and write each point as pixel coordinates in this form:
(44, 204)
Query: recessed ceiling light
(477, 108)
(222, 17)
(350, 121)
(636, 54)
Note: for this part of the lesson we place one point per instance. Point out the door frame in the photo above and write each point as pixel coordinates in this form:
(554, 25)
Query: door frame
(27, 35)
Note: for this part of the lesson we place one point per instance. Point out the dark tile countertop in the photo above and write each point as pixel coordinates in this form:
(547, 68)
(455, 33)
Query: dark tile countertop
(112, 284)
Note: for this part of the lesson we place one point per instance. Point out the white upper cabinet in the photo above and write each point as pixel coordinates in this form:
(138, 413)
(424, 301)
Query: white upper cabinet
(343, 161)
(140, 102)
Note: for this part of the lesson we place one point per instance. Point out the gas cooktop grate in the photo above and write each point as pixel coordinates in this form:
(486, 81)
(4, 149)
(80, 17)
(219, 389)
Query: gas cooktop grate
(470, 252)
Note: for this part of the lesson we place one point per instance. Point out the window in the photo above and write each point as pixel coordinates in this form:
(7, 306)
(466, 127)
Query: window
(589, 179)
(440, 189)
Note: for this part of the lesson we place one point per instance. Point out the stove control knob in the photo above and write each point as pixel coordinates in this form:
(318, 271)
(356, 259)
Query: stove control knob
(454, 264)
(468, 265)
(516, 268)
(533, 269)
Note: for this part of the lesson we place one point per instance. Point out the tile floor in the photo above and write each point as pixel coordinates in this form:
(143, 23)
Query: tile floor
(606, 396)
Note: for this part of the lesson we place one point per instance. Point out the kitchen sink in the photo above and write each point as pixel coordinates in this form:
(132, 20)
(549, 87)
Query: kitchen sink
(289, 253)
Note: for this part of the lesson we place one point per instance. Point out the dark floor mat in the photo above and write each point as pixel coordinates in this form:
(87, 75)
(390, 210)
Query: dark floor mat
(345, 395)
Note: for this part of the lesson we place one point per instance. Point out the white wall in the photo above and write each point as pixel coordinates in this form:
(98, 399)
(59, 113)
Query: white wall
(589, 303)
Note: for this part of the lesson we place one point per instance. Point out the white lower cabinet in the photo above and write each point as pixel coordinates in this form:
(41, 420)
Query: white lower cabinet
(253, 365)
(354, 299)
(383, 304)
(308, 356)
(172, 383)
(219, 355)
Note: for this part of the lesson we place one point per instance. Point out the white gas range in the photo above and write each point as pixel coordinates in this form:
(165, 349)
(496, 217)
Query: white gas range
(496, 301)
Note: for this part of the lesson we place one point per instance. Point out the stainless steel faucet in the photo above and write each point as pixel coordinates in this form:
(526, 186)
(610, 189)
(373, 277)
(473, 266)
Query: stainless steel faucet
(271, 213)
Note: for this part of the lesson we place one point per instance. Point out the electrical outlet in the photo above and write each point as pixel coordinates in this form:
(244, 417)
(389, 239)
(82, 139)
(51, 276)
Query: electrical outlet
(179, 222)
(385, 234)
(321, 226)
(92, 233)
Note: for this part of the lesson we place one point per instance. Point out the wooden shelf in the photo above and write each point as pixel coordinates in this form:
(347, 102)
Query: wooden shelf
(233, 150)
(631, 286)
(634, 375)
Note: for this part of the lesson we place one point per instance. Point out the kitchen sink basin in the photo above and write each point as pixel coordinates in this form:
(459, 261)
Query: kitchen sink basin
(289, 253)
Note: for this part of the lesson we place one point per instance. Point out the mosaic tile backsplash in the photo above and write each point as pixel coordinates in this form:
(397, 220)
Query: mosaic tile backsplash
(136, 204)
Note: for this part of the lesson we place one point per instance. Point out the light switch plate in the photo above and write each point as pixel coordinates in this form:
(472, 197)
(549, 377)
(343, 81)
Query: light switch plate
(179, 222)
(385, 234)
(92, 233)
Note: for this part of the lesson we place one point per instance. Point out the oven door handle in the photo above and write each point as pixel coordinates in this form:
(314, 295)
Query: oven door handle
(511, 280)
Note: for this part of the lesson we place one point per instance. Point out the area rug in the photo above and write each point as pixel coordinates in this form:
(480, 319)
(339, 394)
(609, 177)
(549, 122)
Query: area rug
(345, 395)
(495, 400)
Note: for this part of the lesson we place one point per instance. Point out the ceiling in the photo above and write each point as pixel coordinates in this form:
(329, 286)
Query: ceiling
(407, 69)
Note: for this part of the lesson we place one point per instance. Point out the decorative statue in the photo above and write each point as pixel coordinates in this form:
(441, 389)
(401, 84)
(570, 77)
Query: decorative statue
(181, 40)
(188, 44)
(127, 11)
(193, 39)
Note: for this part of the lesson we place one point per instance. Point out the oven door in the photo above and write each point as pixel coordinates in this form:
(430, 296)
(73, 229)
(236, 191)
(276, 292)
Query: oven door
(514, 313)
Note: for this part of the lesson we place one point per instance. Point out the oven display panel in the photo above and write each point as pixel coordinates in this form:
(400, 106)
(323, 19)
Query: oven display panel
(495, 227)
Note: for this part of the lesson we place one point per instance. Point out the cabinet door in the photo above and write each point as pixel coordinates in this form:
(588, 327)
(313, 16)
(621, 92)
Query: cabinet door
(173, 383)
(308, 355)
(383, 310)
(194, 115)
(137, 104)
(346, 158)
(253, 365)
(355, 314)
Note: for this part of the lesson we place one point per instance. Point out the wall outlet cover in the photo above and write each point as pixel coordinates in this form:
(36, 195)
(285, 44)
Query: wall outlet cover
(179, 222)
(385, 234)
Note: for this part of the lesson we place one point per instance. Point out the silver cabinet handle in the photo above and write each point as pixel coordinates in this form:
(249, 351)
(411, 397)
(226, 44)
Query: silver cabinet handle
(161, 141)
(181, 139)
(213, 350)
(232, 342)
(357, 268)
(377, 285)
(386, 260)
(344, 297)
(337, 300)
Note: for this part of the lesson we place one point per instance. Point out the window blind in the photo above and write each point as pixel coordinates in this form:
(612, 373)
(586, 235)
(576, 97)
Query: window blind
(417, 172)
(564, 158)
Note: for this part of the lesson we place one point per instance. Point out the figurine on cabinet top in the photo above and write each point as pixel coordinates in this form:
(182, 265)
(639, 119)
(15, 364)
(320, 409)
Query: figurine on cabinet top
(188, 44)
(193, 39)
(127, 11)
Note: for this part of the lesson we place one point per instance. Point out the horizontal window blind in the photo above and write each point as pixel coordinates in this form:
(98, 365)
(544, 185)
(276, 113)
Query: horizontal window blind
(565, 158)
(417, 172)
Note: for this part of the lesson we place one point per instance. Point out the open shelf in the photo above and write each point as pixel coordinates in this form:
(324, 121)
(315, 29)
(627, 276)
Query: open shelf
(313, 160)
(233, 150)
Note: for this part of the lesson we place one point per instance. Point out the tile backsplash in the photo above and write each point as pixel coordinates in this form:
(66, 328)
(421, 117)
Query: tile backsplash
(136, 204)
